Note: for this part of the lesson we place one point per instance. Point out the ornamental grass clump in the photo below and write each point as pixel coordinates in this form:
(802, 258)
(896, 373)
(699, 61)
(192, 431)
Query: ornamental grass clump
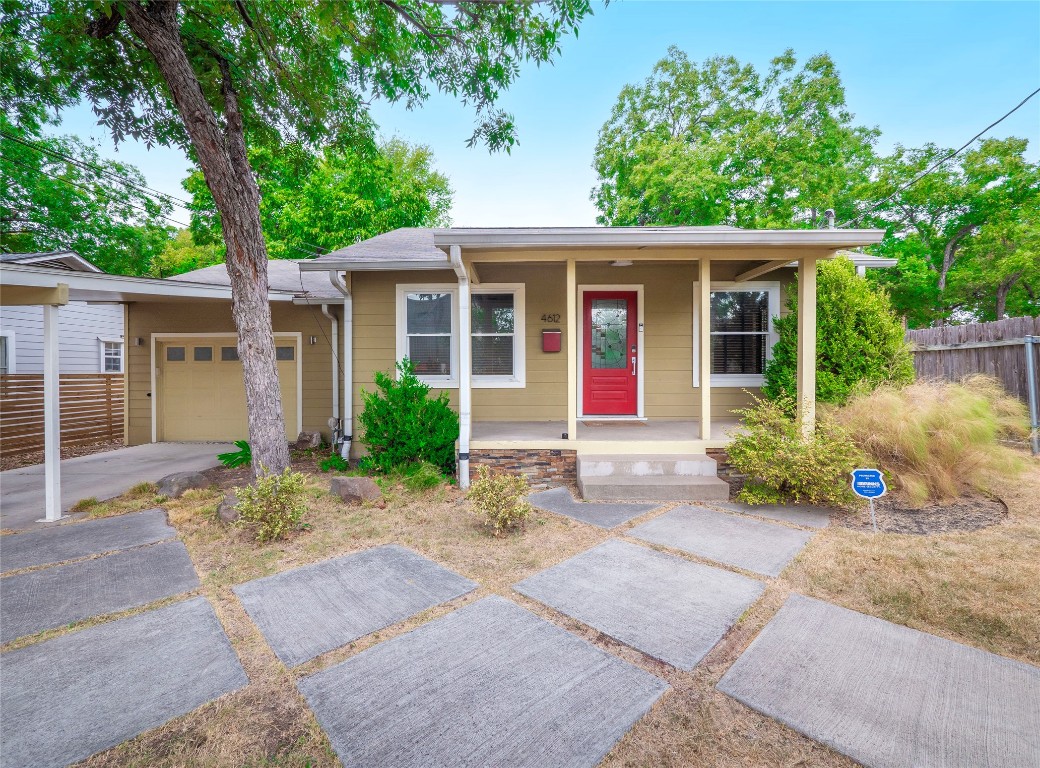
(273, 505)
(938, 439)
(784, 466)
(501, 500)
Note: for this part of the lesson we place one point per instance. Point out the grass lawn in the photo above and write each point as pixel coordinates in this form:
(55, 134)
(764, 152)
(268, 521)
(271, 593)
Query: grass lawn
(978, 588)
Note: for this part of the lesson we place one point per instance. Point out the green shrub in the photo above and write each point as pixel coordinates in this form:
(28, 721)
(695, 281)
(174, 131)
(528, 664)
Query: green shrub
(500, 499)
(241, 458)
(333, 463)
(783, 466)
(422, 477)
(402, 424)
(859, 340)
(273, 504)
(939, 438)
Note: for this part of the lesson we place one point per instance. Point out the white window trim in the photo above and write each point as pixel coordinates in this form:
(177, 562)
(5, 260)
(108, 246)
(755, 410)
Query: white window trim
(12, 362)
(519, 378)
(736, 379)
(122, 353)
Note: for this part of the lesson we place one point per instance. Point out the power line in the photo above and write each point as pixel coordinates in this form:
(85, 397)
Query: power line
(308, 254)
(149, 191)
(942, 160)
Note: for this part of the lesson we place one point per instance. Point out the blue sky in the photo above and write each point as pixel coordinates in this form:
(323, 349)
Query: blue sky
(923, 71)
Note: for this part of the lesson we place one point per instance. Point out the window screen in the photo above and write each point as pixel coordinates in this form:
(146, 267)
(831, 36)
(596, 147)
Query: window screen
(175, 354)
(203, 354)
(739, 331)
(428, 330)
(493, 329)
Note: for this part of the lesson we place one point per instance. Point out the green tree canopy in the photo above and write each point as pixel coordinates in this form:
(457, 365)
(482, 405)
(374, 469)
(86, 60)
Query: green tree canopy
(206, 75)
(859, 340)
(319, 201)
(965, 235)
(721, 143)
(59, 194)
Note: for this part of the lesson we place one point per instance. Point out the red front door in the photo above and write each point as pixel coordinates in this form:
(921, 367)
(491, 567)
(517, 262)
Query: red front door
(609, 359)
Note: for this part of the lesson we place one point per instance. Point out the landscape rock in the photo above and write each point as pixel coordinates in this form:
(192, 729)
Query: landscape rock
(354, 490)
(173, 486)
(227, 511)
(307, 440)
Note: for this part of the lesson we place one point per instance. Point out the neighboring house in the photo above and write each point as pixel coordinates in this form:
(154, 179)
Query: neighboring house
(569, 352)
(91, 334)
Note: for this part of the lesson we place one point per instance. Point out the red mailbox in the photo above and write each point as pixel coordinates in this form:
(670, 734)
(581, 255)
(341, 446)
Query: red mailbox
(551, 340)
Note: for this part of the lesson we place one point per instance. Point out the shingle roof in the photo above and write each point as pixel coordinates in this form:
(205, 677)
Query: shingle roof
(406, 244)
(65, 260)
(282, 275)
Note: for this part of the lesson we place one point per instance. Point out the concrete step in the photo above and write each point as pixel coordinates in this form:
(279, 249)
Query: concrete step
(653, 488)
(647, 465)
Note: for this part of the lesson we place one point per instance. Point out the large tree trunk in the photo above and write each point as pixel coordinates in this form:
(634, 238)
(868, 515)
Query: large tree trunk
(222, 157)
(1003, 290)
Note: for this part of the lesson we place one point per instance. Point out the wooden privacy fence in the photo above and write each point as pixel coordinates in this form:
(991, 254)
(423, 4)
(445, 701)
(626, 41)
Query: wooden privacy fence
(91, 410)
(996, 349)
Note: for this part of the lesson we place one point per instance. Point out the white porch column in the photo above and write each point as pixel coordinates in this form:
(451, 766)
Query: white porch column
(465, 366)
(807, 344)
(51, 415)
(704, 346)
(572, 350)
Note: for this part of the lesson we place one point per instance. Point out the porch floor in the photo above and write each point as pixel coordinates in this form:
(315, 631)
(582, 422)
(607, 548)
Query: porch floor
(642, 431)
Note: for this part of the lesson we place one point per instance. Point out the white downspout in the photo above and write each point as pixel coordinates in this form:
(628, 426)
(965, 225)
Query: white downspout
(335, 363)
(342, 284)
(465, 390)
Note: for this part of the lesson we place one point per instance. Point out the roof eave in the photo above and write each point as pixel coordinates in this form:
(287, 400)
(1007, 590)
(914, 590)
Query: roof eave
(636, 237)
(326, 263)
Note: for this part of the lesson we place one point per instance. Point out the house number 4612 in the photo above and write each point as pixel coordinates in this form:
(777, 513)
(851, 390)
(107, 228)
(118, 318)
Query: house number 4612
(552, 317)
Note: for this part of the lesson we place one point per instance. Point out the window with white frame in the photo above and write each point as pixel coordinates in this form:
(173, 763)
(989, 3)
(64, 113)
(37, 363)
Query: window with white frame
(741, 332)
(428, 330)
(111, 356)
(6, 353)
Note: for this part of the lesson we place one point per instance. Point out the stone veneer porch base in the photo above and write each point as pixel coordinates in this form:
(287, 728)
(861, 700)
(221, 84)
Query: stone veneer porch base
(543, 468)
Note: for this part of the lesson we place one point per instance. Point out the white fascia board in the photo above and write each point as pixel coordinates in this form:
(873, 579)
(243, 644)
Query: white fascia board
(326, 263)
(91, 284)
(635, 237)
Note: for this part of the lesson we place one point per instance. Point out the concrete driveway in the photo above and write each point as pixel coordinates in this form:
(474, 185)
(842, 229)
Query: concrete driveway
(101, 476)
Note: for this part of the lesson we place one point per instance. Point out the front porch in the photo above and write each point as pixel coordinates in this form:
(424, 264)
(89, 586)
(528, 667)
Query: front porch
(603, 436)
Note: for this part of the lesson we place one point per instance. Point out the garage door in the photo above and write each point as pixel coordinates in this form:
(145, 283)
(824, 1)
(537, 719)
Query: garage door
(201, 393)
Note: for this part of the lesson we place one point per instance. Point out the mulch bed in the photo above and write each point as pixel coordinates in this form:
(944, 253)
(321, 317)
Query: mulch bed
(970, 512)
(29, 458)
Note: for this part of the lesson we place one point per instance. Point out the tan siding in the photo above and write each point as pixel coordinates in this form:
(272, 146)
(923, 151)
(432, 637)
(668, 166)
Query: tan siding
(144, 319)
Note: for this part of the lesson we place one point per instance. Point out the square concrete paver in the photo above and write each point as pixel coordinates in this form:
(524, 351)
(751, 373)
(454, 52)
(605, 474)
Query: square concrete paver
(889, 696)
(602, 514)
(52, 597)
(489, 684)
(803, 515)
(57, 544)
(68, 698)
(310, 610)
(667, 607)
(756, 546)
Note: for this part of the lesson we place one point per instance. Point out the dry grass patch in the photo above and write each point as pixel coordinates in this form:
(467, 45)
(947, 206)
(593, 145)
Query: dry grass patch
(977, 587)
(142, 496)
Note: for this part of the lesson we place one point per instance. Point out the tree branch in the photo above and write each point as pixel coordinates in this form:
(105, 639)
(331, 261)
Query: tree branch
(950, 253)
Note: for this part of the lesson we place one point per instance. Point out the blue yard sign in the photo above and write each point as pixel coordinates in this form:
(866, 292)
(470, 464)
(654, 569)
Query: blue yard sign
(868, 483)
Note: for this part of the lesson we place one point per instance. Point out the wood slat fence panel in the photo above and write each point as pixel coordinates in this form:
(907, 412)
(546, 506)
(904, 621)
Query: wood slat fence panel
(1004, 361)
(92, 410)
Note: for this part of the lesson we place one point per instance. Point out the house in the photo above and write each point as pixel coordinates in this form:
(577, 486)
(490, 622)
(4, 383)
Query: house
(583, 353)
(91, 334)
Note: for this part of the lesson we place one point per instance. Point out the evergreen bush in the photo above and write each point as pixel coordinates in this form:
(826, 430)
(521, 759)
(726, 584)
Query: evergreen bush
(402, 424)
(500, 499)
(784, 466)
(273, 504)
(859, 340)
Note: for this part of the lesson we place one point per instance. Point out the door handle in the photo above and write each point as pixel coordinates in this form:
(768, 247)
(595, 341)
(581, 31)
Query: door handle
(633, 365)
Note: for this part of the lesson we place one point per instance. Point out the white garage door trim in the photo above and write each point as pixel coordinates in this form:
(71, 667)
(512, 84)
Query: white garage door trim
(297, 336)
